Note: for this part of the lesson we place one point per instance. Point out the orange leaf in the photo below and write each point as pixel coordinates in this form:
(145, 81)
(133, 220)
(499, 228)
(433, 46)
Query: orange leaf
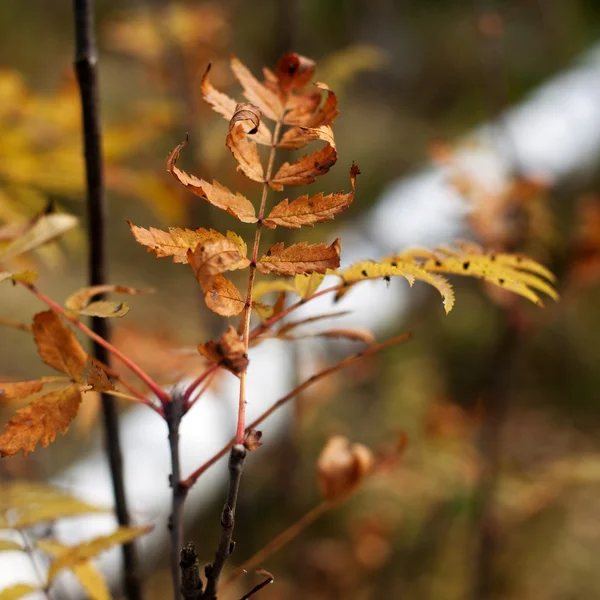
(19, 389)
(310, 210)
(308, 168)
(218, 195)
(319, 116)
(57, 345)
(243, 123)
(228, 351)
(293, 72)
(225, 106)
(98, 378)
(213, 257)
(300, 258)
(257, 93)
(222, 297)
(175, 242)
(40, 421)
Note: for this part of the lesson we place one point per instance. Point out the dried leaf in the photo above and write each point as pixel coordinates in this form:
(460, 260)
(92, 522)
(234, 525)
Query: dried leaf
(176, 242)
(218, 195)
(22, 276)
(14, 592)
(252, 440)
(228, 351)
(244, 122)
(40, 421)
(303, 117)
(225, 106)
(105, 309)
(83, 552)
(45, 229)
(8, 545)
(91, 578)
(98, 378)
(18, 390)
(310, 210)
(300, 258)
(213, 257)
(294, 71)
(342, 466)
(257, 93)
(57, 345)
(305, 170)
(305, 285)
(223, 297)
(80, 301)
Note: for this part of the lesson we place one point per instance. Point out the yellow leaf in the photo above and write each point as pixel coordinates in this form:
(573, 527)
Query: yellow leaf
(90, 578)
(262, 288)
(214, 257)
(225, 106)
(57, 345)
(7, 545)
(14, 592)
(308, 210)
(83, 552)
(300, 258)
(105, 309)
(260, 95)
(305, 285)
(19, 389)
(263, 311)
(218, 195)
(40, 421)
(243, 123)
(44, 229)
(80, 301)
(222, 297)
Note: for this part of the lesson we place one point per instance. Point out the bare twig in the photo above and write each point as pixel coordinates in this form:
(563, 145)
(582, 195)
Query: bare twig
(191, 584)
(196, 383)
(264, 583)
(86, 60)
(32, 557)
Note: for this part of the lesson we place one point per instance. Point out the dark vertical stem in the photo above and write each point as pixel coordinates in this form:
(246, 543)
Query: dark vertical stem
(173, 415)
(86, 60)
(226, 545)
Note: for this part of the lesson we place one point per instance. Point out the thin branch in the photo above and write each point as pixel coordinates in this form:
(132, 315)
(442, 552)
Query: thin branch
(189, 481)
(211, 370)
(86, 60)
(269, 579)
(174, 411)
(45, 587)
(200, 393)
(226, 545)
(15, 324)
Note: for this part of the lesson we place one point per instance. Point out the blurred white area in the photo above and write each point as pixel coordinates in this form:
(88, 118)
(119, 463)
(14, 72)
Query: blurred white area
(554, 134)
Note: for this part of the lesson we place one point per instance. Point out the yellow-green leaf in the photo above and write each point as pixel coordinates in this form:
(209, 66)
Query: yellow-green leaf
(262, 288)
(308, 284)
(6, 545)
(14, 592)
(80, 301)
(105, 309)
(83, 552)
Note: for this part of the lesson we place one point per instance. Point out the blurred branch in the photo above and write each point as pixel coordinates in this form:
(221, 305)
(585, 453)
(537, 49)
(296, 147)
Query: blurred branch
(265, 582)
(191, 585)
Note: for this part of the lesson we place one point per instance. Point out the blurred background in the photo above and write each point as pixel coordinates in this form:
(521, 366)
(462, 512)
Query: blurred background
(496, 493)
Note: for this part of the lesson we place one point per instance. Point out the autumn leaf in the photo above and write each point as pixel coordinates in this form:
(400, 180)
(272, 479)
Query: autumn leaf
(258, 94)
(76, 555)
(262, 288)
(300, 258)
(301, 115)
(98, 378)
(218, 195)
(222, 297)
(8, 545)
(19, 276)
(225, 106)
(252, 440)
(310, 210)
(57, 345)
(305, 285)
(19, 389)
(293, 72)
(229, 351)
(262, 311)
(40, 421)
(213, 257)
(14, 592)
(245, 122)
(80, 301)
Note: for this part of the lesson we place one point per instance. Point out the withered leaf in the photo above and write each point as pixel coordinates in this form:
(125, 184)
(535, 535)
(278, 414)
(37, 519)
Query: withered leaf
(218, 195)
(98, 378)
(175, 242)
(294, 71)
(305, 170)
(213, 257)
(222, 297)
(308, 210)
(57, 345)
(40, 421)
(228, 351)
(79, 301)
(300, 258)
(303, 116)
(252, 440)
(243, 123)
(257, 93)
(16, 390)
(225, 106)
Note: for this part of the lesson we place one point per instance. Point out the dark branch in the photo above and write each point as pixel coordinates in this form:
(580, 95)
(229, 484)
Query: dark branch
(226, 545)
(269, 579)
(191, 585)
(86, 60)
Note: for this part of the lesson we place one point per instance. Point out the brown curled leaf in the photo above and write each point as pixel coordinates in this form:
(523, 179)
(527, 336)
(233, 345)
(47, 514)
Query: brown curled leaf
(228, 351)
(244, 122)
(252, 440)
(98, 378)
(300, 258)
(293, 72)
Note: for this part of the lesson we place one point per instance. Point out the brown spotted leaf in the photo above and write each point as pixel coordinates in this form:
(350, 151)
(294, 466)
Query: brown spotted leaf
(257, 93)
(16, 390)
(300, 258)
(308, 210)
(218, 195)
(245, 122)
(57, 345)
(40, 421)
(228, 351)
(222, 297)
(98, 378)
(293, 72)
(225, 106)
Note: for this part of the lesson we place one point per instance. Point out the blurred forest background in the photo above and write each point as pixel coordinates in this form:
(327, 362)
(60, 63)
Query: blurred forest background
(496, 494)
